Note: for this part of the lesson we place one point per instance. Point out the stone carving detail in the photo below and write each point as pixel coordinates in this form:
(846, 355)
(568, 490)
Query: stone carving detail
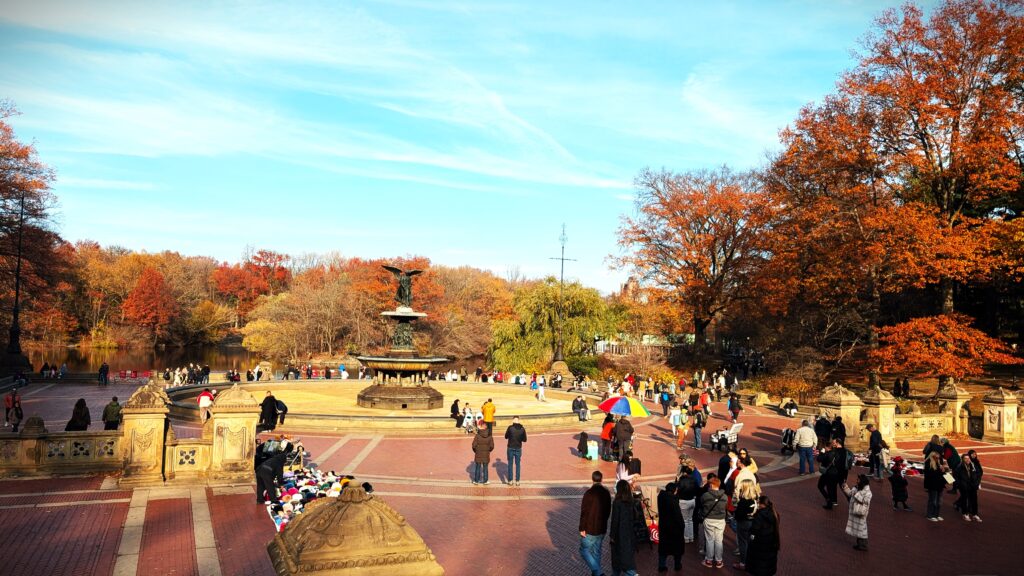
(150, 395)
(837, 394)
(9, 450)
(187, 457)
(55, 449)
(80, 448)
(142, 442)
(235, 397)
(346, 534)
(993, 420)
(108, 448)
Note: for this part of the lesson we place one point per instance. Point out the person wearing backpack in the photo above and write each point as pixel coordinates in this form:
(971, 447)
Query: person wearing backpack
(697, 419)
(665, 399)
(684, 417)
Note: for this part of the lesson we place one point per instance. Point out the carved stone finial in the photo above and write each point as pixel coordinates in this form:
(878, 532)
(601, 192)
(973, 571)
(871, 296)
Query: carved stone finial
(149, 395)
(235, 397)
(838, 395)
(875, 395)
(1000, 396)
(354, 534)
(34, 426)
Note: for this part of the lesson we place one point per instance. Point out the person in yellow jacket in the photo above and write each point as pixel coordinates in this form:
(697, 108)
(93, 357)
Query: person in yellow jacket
(488, 410)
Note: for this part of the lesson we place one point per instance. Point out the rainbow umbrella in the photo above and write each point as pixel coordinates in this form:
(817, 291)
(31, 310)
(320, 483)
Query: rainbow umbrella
(624, 406)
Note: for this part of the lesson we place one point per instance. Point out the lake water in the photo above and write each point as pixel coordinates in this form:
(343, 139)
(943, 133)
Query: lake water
(89, 359)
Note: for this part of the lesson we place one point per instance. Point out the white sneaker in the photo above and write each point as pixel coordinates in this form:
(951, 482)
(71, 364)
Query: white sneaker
(977, 518)
(940, 518)
(967, 518)
(930, 519)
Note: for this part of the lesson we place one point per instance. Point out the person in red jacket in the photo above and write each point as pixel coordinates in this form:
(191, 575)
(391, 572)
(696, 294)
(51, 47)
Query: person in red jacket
(606, 436)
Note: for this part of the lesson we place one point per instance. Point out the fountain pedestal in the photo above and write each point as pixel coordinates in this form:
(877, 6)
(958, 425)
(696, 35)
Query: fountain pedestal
(400, 377)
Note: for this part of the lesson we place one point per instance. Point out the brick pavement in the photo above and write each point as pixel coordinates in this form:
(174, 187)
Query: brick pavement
(496, 529)
(168, 548)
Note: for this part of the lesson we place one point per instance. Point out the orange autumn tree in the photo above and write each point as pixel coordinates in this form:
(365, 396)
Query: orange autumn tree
(945, 346)
(701, 236)
(150, 304)
(943, 96)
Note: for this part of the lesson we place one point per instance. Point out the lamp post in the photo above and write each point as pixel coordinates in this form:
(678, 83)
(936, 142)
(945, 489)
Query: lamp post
(558, 357)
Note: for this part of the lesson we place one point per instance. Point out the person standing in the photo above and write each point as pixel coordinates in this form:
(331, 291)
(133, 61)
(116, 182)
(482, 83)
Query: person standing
(898, 481)
(15, 415)
(268, 412)
(457, 413)
(934, 483)
(823, 429)
(621, 531)
(104, 374)
(516, 437)
(860, 503)
(970, 473)
(747, 493)
(488, 410)
(112, 415)
(540, 389)
(205, 401)
(713, 505)
(763, 548)
(9, 402)
(594, 512)
(698, 420)
(839, 430)
(670, 528)
(832, 462)
(80, 419)
(624, 435)
(483, 445)
(875, 450)
(805, 440)
(687, 491)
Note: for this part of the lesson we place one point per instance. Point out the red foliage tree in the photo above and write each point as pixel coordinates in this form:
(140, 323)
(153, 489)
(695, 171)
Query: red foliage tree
(150, 304)
(945, 346)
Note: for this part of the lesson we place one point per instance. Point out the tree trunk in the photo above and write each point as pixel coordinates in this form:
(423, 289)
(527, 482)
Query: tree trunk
(946, 296)
(700, 332)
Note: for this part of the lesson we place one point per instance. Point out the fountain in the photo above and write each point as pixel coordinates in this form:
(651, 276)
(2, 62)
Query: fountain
(400, 377)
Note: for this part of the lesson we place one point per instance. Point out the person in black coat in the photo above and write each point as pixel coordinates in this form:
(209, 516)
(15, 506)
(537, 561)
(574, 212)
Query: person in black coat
(268, 412)
(670, 528)
(823, 430)
(621, 532)
(268, 474)
(763, 548)
(457, 414)
(839, 430)
(833, 465)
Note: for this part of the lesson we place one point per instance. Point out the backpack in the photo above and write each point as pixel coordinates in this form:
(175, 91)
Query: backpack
(664, 397)
(698, 419)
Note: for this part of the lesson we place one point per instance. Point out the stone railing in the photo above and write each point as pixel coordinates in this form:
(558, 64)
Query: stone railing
(60, 452)
(187, 459)
(918, 426)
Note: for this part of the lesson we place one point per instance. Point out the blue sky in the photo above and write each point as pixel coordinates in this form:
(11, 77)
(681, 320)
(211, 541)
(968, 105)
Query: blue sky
(467, 132)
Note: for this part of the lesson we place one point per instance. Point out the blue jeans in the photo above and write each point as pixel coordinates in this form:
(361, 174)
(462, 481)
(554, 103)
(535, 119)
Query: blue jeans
(514, 463)
(480, 472)
(806, 454)
(696, 436)
(934, 503)
(590, 551)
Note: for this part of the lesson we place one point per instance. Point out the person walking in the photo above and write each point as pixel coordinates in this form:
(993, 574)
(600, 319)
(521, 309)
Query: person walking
(15, 414)
(516, 437)
(621, 531)
(875, 443)
(734, 407)
(483, 445)
(934, 483)
(860, 503)
(670, 528)
(10, 399)
(898, 482)
(488, 410)
(540, 390)
(624, 435)
(805, 440)
(112, 415)
(713, 505)
(594, 512)
(764, 545)
(969, 474)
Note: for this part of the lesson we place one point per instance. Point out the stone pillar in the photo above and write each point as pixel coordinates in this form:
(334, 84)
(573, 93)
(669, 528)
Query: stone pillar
(145, 423)
(1000, 416)
(881, 411)
(836, 400)
(235, 414)
(356, 534)
(955, 398)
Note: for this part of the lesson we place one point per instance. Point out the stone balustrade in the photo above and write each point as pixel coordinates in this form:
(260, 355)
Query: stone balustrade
(922, 426)
(38, 451)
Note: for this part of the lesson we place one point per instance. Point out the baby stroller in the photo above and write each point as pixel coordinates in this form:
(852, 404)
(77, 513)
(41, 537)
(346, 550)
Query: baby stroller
(789, 441)
(296, 459)
(726, 438)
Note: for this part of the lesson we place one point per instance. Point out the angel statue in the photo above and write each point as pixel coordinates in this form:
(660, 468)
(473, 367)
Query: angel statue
(404, 294)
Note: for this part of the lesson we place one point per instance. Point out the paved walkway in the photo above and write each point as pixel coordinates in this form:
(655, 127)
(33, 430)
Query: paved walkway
(89, 526)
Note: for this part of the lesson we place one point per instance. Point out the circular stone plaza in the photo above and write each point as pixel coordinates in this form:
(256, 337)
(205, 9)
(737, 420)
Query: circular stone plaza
(419, 464)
